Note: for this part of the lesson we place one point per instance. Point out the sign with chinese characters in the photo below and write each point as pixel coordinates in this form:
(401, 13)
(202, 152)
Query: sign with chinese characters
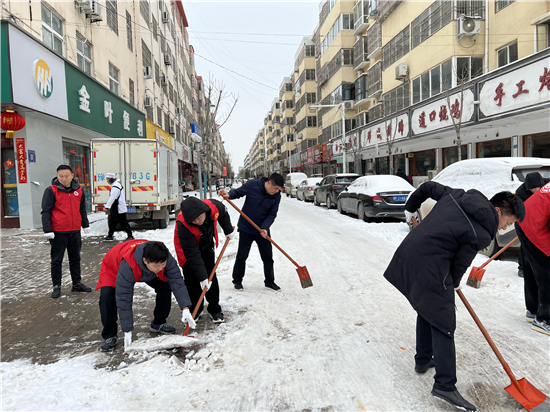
(310, 156)
(21, 156)
(326, 153)
(353, 141)
(395, 129)
(524, 87)
(439, 114)
(303, 157)
(317, 153)
(224, 173)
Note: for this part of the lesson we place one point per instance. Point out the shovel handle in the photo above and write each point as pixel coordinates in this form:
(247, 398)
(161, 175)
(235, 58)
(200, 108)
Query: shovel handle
(499, 252)
(260, 230)
(197, 306)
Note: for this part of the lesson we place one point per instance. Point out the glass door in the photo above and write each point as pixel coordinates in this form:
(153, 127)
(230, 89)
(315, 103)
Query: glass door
(77, 156)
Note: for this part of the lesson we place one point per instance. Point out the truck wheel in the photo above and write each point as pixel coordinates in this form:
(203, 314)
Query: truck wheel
(163, 223)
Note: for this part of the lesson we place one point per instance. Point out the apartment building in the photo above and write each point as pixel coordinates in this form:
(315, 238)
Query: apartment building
(286, 103)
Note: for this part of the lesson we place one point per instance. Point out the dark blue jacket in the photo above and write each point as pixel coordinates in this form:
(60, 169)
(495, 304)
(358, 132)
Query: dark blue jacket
(259, 206)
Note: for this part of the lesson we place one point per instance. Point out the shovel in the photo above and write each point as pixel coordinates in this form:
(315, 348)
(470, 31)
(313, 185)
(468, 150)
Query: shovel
(303, 274)
(476, 274)
(198, 305)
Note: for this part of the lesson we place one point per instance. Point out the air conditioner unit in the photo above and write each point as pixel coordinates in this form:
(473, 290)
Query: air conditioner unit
(148, 101)
(96, 14)
(165, 17)
(432, 174)
(147, 72)
(468, 26)
(178, 111)
(85, 5)
(167, 59)
(348, 105)
(401, 71)
(172, 129)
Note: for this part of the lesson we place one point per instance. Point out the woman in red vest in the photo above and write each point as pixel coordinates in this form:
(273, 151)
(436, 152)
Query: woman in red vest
(195, 240)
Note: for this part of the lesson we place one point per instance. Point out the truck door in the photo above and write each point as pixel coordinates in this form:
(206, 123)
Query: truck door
(141, 166)
(108, 157)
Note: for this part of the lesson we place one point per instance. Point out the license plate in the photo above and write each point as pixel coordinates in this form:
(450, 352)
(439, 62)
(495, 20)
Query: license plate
(131, 210)
(399, 198)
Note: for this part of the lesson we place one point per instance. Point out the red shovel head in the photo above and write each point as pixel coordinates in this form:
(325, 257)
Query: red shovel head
(474, 280)
(531, 396)
(305, 279)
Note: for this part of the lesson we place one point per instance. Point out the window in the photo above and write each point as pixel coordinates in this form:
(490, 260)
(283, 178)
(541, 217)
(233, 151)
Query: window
(467, 68)
(432, 82)
(129, 31)
(543, 35)
(144, 10)
(157, 73)
(288, 87)
(310, 98)
(438, 15)
(310, 74)
(52, 30)
(500, 4)
(397, 99)
(83, 54)
(347, 57)
(470, 8)
(112, 15)
(310, 51)
(131, 91)
(396, 48)
(113, 79)
(311, 121)
(155, 29)
(167, 122)
(507, 54)
(159, 116)
(342, 23)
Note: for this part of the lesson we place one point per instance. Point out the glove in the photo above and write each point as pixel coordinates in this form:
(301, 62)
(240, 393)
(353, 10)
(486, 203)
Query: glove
(186, 316)
(231, 235)
(86, 230)
(205, 284)
(49, 235)
(410, 215)
(458, 287)
(127, 339)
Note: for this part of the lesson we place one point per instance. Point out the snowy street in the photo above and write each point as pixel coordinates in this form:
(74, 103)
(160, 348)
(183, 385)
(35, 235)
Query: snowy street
(347, 343)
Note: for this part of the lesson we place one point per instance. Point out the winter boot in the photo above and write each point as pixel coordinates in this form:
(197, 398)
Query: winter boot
(80, 287)
(109, 344)
(108, 238)
(164, 328)
(239, 286)
(218, 318)
(540, 326)
(455, 399)
(56, 291)
(530, 317)
(272, 286)
(421, 369)
(130, 237)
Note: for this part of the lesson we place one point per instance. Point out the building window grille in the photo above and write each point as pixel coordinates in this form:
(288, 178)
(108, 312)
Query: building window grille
(113, 79)
(129, 39)
(157, 73)
(310, 74)
(84, 54)
(144, 10)
(437, 16)
(397, 99)
(159, 116)
(396, 48)
(131, 91)
(52, 30)
(155, 29)
(145, 55)
(470, 8)
(501, 4)
(166, 122)
(112, 15)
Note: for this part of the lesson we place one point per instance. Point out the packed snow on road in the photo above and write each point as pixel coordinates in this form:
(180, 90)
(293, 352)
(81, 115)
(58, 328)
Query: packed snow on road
(347, 343)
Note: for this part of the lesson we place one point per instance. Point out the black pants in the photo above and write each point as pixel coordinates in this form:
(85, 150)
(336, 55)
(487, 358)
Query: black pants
(73, 243)
(431, 342)
(536, 277)
(115, 218)
(108, 308)
(266, 253)
(194, 288)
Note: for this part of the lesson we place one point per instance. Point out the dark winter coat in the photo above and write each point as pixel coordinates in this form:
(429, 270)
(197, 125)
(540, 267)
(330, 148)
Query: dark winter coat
(192, 208)
(126, 280)
(532, 180)
(70, 217)
(433, 257)
(259, 206)
(402, 175)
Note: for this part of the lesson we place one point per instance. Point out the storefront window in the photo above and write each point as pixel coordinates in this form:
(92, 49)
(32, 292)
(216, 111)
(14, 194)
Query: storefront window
(450, 155)
(368, 167)
(495, 148)
(383, 165)
(9, 176)
(399, 163)
(537, 145)
(423, 161)
(78, 157)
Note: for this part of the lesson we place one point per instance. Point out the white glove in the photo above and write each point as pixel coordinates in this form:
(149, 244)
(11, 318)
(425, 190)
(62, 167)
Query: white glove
(206, 284)
(410, 215)
(127, 339)
(186, 316)
(49, 235)
(458, 287)
(231, 235)
(86, 230)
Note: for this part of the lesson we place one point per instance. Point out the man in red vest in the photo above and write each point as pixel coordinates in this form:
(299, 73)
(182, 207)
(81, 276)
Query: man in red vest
(534, 235)
(138, 261)
(63, 214)
(195, 240)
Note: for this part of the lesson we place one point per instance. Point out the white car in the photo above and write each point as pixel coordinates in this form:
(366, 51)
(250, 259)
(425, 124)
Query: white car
(292, 181)
(306, 188)
(490, 176)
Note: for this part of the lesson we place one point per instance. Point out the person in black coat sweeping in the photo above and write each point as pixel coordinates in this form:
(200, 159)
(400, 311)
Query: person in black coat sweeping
(428, 265)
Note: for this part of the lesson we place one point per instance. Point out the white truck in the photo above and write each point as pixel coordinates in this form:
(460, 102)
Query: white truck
(148, 171)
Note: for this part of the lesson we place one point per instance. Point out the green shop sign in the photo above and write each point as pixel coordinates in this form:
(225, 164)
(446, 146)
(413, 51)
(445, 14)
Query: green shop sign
(93, 106)
(5, 83)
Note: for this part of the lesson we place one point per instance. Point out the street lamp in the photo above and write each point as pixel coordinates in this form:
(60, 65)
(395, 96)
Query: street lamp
(343, 106)
(197, 139)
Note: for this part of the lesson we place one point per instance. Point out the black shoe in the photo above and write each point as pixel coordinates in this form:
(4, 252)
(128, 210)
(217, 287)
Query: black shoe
(272, 286)
(455, 399)
(109, 344)
(108, 238)
(424, 368)
(164, 328)
(56, 292)
(239, 286)
(218, 318)
(129, 238)
(80, 287)
(520, 273)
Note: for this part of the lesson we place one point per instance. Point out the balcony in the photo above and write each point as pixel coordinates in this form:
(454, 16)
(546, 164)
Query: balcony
(361, 16)
(374, 40)
(360, 53)
(374, 80)
(385, 8)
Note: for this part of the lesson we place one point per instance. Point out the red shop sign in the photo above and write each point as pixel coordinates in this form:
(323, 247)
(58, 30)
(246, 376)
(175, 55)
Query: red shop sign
(21, 159)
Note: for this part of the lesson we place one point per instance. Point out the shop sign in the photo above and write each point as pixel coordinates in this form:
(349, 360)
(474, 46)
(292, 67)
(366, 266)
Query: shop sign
(43, 79)
(303, 157)
(296, 159)
(526, 86)
(5, 83)
(326, 152)
(310, 156)
(224, 173)
(9, 164)
(32, 156)
(317, 154)
(21, 159)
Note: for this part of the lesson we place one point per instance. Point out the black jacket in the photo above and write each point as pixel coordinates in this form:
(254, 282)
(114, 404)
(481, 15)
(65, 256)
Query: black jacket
(192, 208)
(532, 180)
(48, 203)
(433, 257)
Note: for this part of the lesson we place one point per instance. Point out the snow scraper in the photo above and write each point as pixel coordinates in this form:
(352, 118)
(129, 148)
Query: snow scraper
(303, 274)
(522, 391)
(198, 305)
(476, 274)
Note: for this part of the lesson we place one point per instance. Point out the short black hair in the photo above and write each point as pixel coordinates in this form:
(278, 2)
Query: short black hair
(64, 167)
(155, 252)
(111, 180)
(276, 179)
(509, 204)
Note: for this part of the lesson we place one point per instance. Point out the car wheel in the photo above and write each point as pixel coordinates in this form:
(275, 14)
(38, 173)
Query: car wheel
(361, 213)
(329, 202)
(339, 206)
(315, 202)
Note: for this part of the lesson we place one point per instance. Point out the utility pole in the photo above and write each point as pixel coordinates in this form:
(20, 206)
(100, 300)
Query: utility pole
(197, 139)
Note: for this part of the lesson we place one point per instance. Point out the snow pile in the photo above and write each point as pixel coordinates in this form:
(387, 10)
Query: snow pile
(160, 343)
(371, 185)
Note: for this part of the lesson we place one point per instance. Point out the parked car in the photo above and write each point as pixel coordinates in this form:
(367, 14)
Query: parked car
(305, 190)
(292, 181)
(330, 187)
(490, 176)
(375, 196)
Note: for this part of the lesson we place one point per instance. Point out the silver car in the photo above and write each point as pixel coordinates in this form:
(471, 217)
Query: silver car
(304, 191)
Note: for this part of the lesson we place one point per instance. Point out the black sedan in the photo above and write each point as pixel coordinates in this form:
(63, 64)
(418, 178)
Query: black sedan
(375, 196)
(330, 187)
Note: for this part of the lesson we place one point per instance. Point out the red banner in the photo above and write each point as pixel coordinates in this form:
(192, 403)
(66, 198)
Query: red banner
(326, 152)
(224, 173)
(21, 159)
(303, 157)
(310, 156)
(317, 153)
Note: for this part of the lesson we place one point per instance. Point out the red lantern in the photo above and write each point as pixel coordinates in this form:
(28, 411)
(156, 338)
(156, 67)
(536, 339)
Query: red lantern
(12, 121)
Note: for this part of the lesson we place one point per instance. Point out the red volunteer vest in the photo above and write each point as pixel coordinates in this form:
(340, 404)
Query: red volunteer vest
(111, 263)
(535, 224)
(66, 211)
(195, 231)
